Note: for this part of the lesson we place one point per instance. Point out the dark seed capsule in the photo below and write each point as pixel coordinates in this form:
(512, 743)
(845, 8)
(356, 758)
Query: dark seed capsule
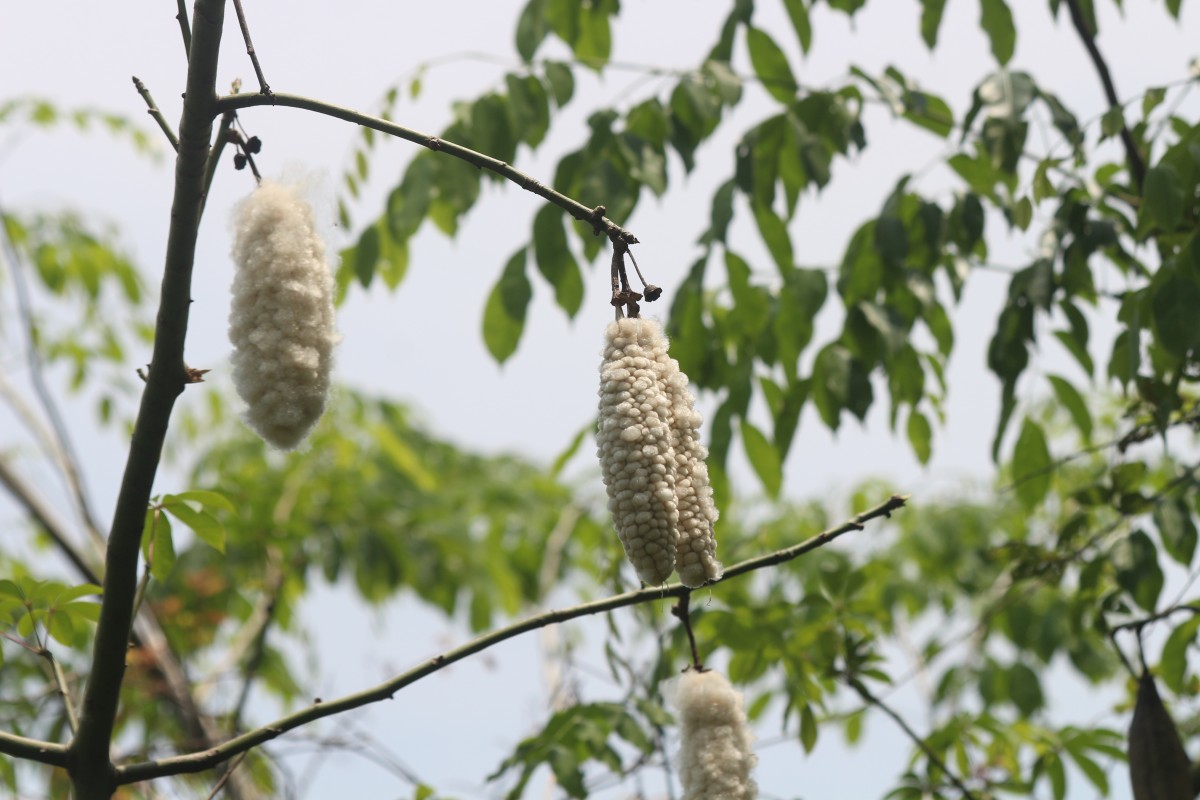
(239, 161)
(253, 145)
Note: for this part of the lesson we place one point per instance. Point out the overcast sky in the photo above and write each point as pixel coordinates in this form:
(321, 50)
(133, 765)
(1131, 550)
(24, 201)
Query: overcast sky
(422, 344)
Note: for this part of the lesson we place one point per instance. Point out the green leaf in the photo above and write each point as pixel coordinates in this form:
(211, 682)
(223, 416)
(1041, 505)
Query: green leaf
(1163, 197)
(1174, 308)
(1112, 122)
(571, 449)
(997, 21)
(530, 107)
(161, 547)
(1031, 465)
(1070, 398)
(1135, 560)
(763, 457)
(775, 234)
(920, 434)
(808, 728)
(561, 82)
(1176, 530)
(504, 314)
(798, 13)
(366, 255)
(771, 66)
(208, 499)
(555, 260)
(931, 20)
(531, 29)
(207, 527)
(1173, 666)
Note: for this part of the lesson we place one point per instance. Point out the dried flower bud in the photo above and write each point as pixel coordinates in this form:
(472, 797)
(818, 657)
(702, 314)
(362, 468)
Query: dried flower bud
(651, 457)
(281, 323)
(715, 756)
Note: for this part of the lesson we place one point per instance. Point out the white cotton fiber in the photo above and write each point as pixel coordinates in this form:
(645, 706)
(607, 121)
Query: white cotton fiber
(281, 322)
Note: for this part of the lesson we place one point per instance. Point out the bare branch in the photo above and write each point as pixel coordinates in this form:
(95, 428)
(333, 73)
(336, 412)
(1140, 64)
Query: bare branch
(185, 27)
(241, 15)
(1137, 165)
(93, 773)
(67, 458)
(60, 685)
(45, 516)
(933, 757)
(153, 111)
(33, 750)
(576, 209)
(200, 761)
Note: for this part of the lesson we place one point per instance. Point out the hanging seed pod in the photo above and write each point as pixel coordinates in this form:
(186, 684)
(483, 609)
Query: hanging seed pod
(281, 322)
(695, 545)
(652, 459)
(634, 446)
(715, 754)
(1158, 766)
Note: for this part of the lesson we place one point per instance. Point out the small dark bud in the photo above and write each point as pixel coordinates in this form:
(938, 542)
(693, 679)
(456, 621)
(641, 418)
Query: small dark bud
(653, 293)
(253, 145)
(618, 299)
(239, 161)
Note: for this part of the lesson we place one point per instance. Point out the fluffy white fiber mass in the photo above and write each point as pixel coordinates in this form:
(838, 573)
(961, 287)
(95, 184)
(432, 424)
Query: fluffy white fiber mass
(651, 458)
(715, 756)
(281, 323)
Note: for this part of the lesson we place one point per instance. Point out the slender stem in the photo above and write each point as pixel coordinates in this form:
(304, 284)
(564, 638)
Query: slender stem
(60, 685)
(216, 790)
(241, 15)
(1139, 624)
(576, 209)
(153, 111)
(69, 462)
(93, 773)
(33, 750)
(682, 613)
(47, 518)
(1137, 165)
(933, 757)
(214, 155)
(184, 27)
(200, 761)
(259, 647)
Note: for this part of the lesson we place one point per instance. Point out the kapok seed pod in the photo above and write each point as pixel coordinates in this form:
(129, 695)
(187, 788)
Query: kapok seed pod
(281, 322)
(715, 753)
(696, 544)
(1158, 765)
(634, 446)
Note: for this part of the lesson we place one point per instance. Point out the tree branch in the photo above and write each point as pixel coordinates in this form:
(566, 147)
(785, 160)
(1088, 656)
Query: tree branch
(241, 15)
(200, 761)
(153, 111)
(576, 209)
(49, 753)
(185, 27)
(1137, 165)
(933, 757)
(92, 771)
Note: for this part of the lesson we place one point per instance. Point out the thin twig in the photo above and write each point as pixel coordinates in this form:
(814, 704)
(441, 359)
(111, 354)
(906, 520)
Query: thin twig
(47, 519)
(933, 757)
(70, 460)
(184, 27)
(265, 617)
(573, 207)
(681, 612)
(153, 111)
(225, 778)
(214, 155)
(241, 15)
(201, 761)
(60, 685)
(1139, 624)
(33, 750)
(1137, 165)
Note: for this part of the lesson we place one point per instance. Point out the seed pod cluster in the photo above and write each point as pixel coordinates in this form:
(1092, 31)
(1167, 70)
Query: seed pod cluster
(281, 322)
(715, 756)
(651, 457)
(1158, 765)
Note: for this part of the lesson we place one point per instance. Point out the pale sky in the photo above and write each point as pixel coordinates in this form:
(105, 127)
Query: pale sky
(422, 344)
